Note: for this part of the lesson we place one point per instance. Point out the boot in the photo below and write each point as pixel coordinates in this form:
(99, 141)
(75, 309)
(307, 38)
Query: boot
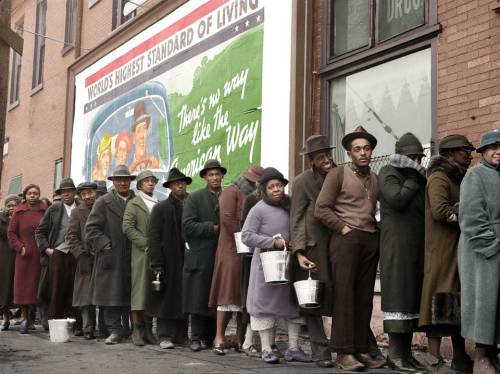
(137, 335)
(148, 335)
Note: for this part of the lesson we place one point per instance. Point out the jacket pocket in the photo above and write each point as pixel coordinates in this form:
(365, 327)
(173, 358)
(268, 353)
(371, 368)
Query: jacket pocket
(106, 262)
(191, 262)
(84, 264)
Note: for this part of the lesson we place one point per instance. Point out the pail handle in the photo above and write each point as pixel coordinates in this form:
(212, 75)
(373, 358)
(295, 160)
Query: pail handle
(279, 236)
(309, 278)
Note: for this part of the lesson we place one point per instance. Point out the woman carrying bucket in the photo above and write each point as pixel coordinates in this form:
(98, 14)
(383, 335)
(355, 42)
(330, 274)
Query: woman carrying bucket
(266, 303)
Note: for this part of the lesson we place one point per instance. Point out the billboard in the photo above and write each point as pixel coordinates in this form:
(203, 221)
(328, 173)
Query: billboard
(187, 89)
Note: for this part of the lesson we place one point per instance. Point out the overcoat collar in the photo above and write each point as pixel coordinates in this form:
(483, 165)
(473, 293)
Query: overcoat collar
(114, 204)
(139, 202)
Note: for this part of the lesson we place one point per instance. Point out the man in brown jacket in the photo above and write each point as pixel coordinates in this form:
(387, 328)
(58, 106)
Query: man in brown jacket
(310, 240)
(346, 205)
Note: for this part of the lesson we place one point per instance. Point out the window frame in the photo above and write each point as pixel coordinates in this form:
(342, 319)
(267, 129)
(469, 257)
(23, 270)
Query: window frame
(15, 74)
(70, 26)
(413, 40)
(16, 178)
(39, 50)
(118, 17)
(58, 173)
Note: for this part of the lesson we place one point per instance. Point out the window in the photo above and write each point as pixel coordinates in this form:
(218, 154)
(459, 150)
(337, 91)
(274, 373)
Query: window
(351, 25)
(39, 54)
(15, 73)
(119, 16)
(15, 184)
(388, 100)
(58, 170)
(70, 27)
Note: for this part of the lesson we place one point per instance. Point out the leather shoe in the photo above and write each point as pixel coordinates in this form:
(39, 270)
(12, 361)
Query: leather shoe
(78, 332)
(137, 336)
(203, 344)
(88, 336)
(5, 326)
(195, 346)
(325, 364)
(371, 362)
(24, 327)
(349, 363)
(114, 338)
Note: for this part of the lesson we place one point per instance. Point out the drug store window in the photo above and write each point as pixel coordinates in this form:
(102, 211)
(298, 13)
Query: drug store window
(377, 71)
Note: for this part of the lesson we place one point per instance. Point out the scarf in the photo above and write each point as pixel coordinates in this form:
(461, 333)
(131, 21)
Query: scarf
(402, 161)
(454, 171)
(150, 201)
(244, 185)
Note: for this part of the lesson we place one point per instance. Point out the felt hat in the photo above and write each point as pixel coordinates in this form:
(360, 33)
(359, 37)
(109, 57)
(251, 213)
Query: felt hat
(455, 141)
(316, 143)
(272, 173)
(145, 174)
(101, 186)
(358, 133)
(140, 114)
(212, 164)
(408, 144)
(175, 175)
(253, 173)
(66, 184)
(489, 138)
(121, 171)
(86, 186)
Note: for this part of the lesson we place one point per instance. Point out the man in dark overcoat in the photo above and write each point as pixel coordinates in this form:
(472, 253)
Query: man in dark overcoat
(111, 274)
(75, 237)
(166, 251)
(200, 222)
(50, 238)
(310, 240)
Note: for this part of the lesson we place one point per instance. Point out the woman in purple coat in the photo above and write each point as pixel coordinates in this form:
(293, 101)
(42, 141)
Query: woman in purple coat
(267, 303)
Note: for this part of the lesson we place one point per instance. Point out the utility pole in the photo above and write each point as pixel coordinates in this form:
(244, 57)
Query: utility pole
(8, 39)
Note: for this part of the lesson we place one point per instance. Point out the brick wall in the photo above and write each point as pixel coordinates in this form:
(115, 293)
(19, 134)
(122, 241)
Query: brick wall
(317, 20)
(468, 68)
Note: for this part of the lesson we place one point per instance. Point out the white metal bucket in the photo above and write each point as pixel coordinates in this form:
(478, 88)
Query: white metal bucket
(60, 329)
(275, 265)
(241, 248)
(308, 292)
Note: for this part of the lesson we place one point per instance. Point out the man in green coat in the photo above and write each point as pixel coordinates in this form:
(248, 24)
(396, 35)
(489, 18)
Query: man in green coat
(136, 228)
(479, 254)
(200, 221)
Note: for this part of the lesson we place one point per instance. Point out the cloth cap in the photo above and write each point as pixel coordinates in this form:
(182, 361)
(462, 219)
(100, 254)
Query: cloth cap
(121, 171)
(175, 175)
(12, 197)
(358, 133)
(316, 143)
(409, 144)
(272, 173)
(66, 184)
(489, 138)
(253, 173)
(145, 174)
(86, 186)
(212, 164)
(455, 141)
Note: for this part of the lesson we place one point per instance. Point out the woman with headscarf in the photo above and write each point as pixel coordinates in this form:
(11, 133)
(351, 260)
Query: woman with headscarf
(21, 236)
(402, 208)
(7, 260)
(225, 293)
(267, 303)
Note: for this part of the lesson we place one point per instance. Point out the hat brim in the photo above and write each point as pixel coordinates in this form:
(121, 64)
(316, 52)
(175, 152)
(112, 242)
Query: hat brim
(188, 181)
(348, 138)
(283, 180)
(132, 177)
(80, 189)
(221, 168)
(482, 147)
(304, 152)
(59, 190)
(251, 176)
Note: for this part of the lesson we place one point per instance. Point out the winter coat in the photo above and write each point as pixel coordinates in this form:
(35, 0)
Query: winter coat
(166, 252)
(479, 254)
(7, 264)
(200, 214)
(111, 249)
(21, 233)
(75, 237)
(264, 299)
(310, 235)
(442, 195)
(402, 238)
(136, 228)
(225, 288)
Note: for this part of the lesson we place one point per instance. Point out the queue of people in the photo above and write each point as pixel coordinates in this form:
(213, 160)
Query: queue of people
(116, 260)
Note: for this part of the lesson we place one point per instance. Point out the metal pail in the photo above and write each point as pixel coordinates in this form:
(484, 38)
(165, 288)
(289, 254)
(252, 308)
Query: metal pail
(308, 292)
(275, 265)
(241, 248)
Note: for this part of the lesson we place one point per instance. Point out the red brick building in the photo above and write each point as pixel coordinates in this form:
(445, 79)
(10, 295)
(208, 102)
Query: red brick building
(427, 66)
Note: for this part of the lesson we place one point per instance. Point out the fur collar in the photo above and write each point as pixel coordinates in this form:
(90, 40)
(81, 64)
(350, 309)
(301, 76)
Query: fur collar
(453, 171)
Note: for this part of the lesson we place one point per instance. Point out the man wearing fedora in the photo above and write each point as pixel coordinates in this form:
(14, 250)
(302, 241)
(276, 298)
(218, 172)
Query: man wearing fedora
(310, 240)
(75, 237)
(346, 205)
(200, 222)
(111, 275)
(50, 238)
(479, 254)
(166, 252)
